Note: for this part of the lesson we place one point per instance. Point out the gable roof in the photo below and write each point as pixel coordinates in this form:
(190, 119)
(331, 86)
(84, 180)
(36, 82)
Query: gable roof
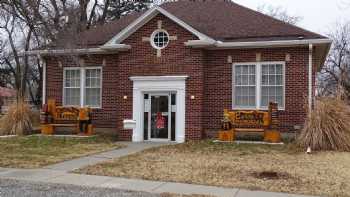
(221, 20)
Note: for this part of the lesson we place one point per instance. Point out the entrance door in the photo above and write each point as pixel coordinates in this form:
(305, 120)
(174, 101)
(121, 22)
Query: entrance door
(159, 116)
(159, 127)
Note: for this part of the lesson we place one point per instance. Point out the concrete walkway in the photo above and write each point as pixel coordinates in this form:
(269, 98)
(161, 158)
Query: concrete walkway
(105, 156)
(62, 177)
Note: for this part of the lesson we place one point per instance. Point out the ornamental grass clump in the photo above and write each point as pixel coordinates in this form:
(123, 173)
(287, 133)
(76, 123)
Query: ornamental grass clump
(327, 126)
(18, 120)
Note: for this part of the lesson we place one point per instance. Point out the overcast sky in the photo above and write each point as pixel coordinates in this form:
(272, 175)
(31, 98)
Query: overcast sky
(318, 15)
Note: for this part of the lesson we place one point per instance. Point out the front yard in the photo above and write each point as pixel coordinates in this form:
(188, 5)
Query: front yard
(255, 167)
(38, 151)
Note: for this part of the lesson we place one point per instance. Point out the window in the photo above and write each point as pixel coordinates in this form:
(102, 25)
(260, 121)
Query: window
(257, 84)
(92, 87)
(272, 84)
(160, 39)
(245, 86)
(82, 86)
(71, 87)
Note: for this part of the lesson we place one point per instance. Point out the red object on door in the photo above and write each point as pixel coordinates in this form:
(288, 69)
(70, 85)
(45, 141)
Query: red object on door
(160, 121)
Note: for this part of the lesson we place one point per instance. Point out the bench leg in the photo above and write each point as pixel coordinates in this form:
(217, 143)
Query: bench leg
(228, 136)
(272, 136)
(47, 129)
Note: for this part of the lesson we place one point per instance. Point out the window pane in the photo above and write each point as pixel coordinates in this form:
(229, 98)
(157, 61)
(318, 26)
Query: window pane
(252, 91)
(272, 80)
(265, 80)
(279, 91)
(92, 97)
(252, 70)
(272, 89)
(245, 86)
(72, 78)
(272, 69)
(72, 87)
(93, 88)
(279, 70)
(238, 80)
(265, 69)
(245, 80)
(279, 100)
(72, 96)
(245, 70)
(238, 70)
(279, 80)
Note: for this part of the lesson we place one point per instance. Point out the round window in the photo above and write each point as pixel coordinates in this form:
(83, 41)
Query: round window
(160, 39)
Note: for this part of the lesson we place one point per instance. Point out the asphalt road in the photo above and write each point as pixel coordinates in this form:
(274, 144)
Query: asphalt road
(12, 188)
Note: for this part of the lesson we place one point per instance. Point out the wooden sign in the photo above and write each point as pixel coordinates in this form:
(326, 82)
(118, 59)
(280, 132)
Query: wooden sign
(249, 118)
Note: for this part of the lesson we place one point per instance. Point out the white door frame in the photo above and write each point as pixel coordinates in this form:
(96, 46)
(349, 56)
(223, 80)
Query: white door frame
(150, 94)
(176, 84)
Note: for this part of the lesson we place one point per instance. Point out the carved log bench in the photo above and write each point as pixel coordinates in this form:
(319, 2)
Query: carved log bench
(251, 121)
(59, 116)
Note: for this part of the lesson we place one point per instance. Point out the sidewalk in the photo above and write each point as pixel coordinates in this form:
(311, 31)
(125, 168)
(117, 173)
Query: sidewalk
(130, 148)
(63, 177)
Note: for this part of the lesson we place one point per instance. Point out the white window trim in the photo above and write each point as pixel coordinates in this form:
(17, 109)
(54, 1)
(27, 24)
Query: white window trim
(154, 34)
(258, 85)
(82, 85)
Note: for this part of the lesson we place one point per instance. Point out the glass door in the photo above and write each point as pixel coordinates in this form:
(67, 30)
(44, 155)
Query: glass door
(158, 121)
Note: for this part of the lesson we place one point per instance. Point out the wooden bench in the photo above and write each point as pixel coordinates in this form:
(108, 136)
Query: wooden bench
(58, 116)
(251, 121)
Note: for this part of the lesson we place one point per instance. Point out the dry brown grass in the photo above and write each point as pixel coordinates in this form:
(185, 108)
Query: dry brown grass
(18, 120)
(328, 126)
(256, 167)
(38, 151)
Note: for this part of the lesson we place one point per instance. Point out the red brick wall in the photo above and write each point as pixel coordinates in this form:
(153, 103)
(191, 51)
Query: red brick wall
(210, 79)
(218, 83)
(176, 59)
(104, 117)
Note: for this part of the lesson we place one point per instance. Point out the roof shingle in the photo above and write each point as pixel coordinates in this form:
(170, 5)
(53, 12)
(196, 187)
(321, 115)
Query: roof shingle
(220, 20)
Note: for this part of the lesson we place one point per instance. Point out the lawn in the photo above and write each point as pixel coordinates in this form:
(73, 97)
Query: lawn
(38, 151)
(255, 167)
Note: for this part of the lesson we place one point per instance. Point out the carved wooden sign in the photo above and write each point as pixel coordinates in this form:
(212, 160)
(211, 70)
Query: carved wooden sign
(250, 118)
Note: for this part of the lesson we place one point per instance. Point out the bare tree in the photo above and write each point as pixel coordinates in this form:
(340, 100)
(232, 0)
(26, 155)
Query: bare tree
(279, 13)
(335, 74)
(29, 24)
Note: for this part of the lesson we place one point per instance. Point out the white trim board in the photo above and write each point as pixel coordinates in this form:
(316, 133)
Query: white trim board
(256, 44)
(146, 17)
(146, 84)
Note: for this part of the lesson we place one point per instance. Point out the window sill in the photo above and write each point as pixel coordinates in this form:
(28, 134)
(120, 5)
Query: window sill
(252, 109)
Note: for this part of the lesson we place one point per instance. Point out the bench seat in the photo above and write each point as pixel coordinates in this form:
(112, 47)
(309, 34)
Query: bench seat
(249, 130)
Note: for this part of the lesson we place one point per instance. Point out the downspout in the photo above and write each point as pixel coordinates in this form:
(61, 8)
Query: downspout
(42, 61)
(310, 77)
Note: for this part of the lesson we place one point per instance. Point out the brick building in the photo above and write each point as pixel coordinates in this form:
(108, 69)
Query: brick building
(173, 69)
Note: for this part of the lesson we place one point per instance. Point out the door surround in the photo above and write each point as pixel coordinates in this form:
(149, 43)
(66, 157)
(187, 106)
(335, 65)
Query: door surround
(143, 84)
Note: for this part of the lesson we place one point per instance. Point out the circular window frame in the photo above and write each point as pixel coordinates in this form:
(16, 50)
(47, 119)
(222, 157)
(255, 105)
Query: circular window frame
(154, 35)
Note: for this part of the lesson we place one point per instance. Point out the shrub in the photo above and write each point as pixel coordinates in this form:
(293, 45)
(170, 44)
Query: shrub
(327, 126)
(18, 120)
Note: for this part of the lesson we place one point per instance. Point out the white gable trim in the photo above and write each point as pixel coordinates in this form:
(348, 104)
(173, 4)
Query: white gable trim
(146, 17)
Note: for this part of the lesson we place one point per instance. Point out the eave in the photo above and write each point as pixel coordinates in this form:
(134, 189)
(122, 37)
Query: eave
(111, 49)
(322, 46)
(257, 44)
